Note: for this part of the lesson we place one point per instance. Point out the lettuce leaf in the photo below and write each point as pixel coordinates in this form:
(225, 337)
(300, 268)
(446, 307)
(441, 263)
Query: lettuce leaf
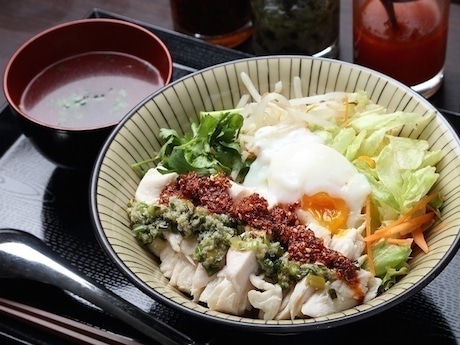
(390, 261)
(404, 168)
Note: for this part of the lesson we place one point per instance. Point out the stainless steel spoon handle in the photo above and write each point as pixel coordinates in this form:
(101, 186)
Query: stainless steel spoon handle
(27, 257)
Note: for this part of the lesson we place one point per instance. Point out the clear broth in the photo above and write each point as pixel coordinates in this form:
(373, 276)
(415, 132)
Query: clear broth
(89, 90)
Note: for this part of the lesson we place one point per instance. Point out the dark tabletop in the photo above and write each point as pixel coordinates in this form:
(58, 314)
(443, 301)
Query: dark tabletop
(52, 203)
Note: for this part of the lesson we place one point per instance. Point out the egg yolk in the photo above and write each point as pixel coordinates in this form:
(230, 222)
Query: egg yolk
(330, 212)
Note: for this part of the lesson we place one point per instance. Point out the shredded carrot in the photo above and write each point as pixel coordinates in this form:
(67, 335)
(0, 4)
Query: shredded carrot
(418, 206)
(408, 228)
(419, 239)
(370, 257)
(401, 228)
(400, 241)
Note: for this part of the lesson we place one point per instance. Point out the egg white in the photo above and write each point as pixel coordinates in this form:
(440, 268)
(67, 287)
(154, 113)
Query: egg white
(292, 162)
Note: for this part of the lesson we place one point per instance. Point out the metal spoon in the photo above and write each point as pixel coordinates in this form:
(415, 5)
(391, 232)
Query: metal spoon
(27, 257)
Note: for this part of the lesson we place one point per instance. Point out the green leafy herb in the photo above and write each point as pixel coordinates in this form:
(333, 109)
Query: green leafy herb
(212, 147)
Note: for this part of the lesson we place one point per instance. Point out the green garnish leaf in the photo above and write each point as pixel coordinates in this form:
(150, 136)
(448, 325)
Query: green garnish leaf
(212, 147)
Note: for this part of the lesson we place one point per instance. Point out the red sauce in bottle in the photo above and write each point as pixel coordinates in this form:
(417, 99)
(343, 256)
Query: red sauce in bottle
(413, 51)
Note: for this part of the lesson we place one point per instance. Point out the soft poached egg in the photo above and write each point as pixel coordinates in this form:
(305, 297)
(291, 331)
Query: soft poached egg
(294, 165)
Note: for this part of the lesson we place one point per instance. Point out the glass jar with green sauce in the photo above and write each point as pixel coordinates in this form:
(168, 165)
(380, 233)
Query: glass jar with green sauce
(305, 27)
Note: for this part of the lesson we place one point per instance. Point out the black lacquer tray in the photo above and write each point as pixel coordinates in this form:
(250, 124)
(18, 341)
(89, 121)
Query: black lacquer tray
(53, 204)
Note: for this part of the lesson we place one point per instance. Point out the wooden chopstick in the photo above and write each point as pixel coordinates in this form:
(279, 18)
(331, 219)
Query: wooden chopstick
(69, 329)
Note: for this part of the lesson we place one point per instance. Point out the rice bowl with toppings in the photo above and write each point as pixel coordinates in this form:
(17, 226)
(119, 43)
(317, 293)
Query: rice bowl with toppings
(300, 218)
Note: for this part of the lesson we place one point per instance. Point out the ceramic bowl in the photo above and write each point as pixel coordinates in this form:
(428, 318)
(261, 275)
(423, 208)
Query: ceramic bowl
(136, 139)
(72, 83)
